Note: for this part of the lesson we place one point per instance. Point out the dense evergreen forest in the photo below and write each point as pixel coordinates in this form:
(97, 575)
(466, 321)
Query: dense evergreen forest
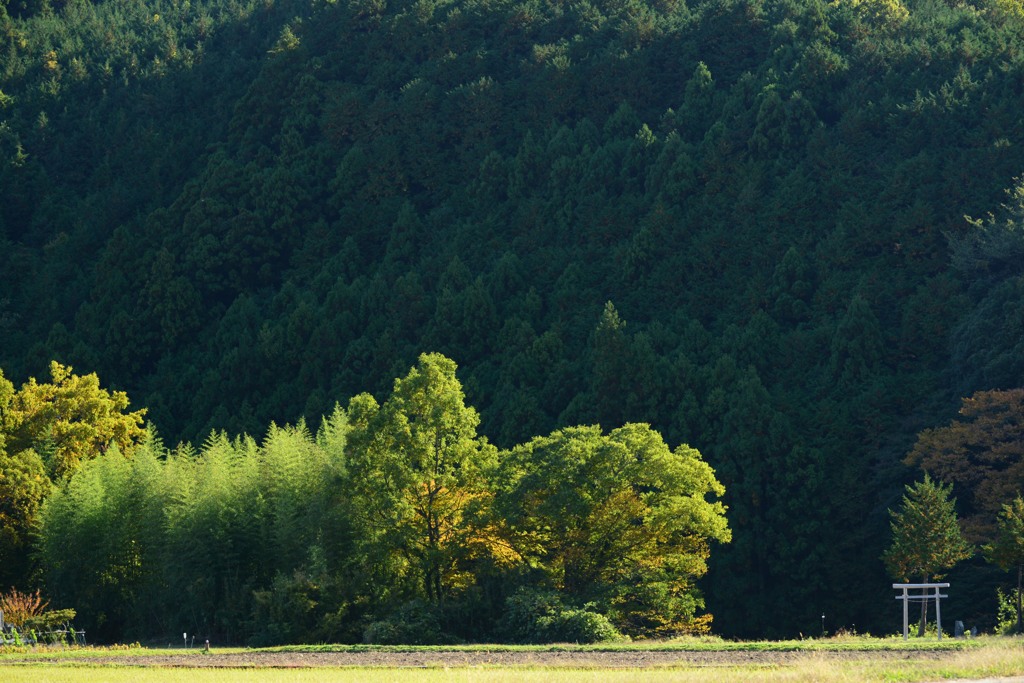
(784, 232)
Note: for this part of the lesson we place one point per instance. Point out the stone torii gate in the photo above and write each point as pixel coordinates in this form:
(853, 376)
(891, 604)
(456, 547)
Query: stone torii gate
(923, 596)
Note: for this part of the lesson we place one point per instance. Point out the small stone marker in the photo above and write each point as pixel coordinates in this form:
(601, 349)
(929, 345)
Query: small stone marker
(958, 629)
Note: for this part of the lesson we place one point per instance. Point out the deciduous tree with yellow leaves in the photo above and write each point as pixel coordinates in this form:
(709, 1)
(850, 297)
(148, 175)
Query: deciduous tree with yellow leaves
(618, 519)
(23, 485)
(71, 419)
(419, 469)
(46, 431)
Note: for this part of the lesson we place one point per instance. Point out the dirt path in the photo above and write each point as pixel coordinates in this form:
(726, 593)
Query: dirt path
(560, 658)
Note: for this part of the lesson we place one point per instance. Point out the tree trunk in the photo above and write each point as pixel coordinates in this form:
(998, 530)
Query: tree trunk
(924, 612)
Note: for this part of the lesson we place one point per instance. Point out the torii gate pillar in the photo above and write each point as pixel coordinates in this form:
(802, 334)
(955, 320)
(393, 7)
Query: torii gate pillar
(923, 596)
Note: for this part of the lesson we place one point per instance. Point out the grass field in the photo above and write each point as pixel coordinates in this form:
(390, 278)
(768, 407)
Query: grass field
(829, 660)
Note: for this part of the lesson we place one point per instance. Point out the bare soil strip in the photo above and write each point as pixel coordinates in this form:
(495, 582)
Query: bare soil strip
(445, 659)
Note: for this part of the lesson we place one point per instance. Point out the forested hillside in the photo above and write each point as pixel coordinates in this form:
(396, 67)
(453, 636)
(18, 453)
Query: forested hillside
(740, 221)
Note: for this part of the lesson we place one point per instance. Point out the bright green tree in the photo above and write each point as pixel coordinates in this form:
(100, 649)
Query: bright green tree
(619, 519)
(6, 414)
(71, 419)
(101, 538)
(23, 486)
(1007, 549)
(419, 469)
(926, 537)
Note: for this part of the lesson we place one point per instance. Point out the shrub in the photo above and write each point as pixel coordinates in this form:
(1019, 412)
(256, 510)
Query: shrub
(578, 626)
(523, 611)
(540, 617)
(18, 607)
(415, 623)
(49, 620)
(286, 612)
(1006, 615)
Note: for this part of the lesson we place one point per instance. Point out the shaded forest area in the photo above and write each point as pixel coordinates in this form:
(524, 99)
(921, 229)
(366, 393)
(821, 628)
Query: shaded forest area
(740, 221)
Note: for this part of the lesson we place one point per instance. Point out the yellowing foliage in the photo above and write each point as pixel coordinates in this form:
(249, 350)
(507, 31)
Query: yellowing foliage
(418, 466)
(617, 517)
(17, 607)
(1011, 7)
(879, 14)
(982, 453)
(72, 419)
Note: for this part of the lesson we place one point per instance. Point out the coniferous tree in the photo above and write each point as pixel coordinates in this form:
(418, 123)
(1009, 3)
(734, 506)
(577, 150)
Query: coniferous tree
(926, 537)
(193, 202)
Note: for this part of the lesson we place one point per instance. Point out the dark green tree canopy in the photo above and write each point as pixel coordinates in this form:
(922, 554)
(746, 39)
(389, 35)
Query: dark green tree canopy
(239, 212)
